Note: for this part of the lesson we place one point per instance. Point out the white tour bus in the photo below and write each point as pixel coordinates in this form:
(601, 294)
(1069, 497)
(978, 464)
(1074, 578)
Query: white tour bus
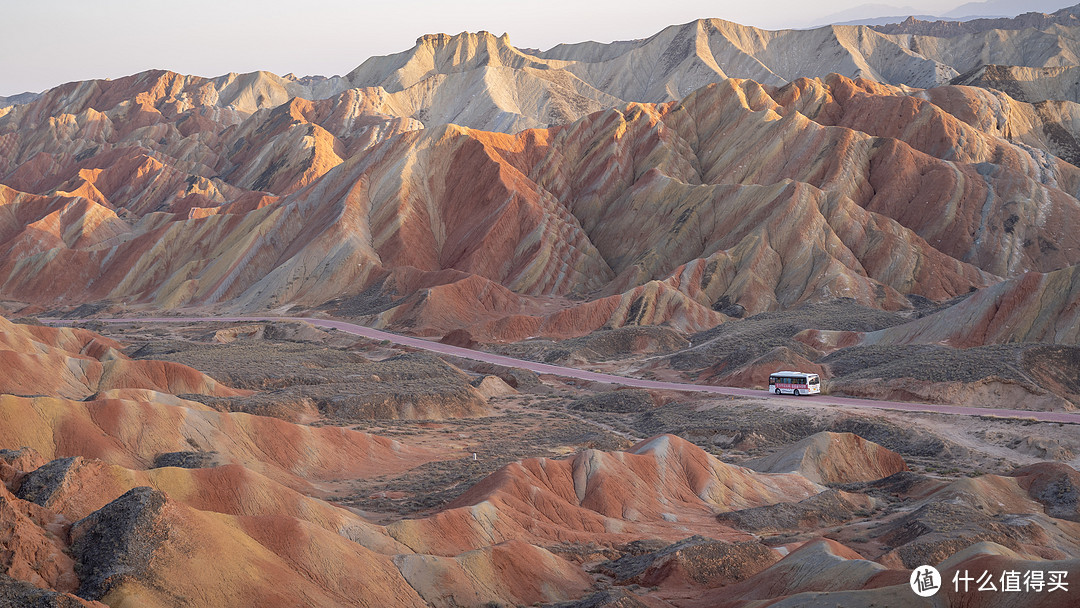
(795, 383)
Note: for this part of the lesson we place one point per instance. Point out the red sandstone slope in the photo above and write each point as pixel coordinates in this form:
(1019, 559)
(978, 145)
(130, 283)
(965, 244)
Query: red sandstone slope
(824, 572)
(657, 489)
(128, 414)
(210, 559)
(76, 487)
(159, 141)
(509, 573)
(225, 536)
(77, 364)
(132, 434)
(32, 552)
(1034, 307)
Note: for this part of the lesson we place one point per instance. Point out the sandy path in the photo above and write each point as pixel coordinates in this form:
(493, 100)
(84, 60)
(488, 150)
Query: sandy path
(579, 374)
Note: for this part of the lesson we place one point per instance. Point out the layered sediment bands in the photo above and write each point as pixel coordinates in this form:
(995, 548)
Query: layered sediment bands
(998, 202)
(740, 196)
(443, 198)
(1030, 84)
(169, 149)
(1044, 125)
(34, 223)
(657, 488)
(508, 89)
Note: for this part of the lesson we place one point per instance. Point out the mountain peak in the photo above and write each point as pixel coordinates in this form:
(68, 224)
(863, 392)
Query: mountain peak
(442, 39)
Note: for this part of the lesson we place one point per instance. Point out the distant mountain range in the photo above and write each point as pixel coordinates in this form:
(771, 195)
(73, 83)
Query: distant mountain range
(884, 14)
(1069, 17)
(21, 98)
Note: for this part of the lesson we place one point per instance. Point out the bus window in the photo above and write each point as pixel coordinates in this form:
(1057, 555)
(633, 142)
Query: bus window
(814, 380)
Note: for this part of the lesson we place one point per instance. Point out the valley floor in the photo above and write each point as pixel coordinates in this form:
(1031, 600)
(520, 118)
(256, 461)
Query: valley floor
(484, 484)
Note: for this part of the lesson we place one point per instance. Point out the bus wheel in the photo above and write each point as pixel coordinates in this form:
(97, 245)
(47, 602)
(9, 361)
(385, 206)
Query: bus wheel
(778, 391)
(795, 392)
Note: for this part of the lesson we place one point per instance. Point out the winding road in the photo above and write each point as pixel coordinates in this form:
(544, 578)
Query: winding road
(580, 374)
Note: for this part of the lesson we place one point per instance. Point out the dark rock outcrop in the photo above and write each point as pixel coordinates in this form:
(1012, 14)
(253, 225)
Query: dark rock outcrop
(187, 460)
(40, 485)
(826, 509)
(20, 594)
(620, 401)
(117, 542)
(936, 530)
(1056, 485)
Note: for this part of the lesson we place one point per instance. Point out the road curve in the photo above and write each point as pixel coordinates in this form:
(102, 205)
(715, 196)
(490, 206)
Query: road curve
(580, 374)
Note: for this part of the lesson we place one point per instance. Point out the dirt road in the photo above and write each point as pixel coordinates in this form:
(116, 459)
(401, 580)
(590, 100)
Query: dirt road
(579, 374)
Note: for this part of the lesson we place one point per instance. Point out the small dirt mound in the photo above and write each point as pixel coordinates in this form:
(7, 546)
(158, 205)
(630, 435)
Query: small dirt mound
(833, 458)
(459, 337)
(902, 485)
(734, 344)
(493, 386)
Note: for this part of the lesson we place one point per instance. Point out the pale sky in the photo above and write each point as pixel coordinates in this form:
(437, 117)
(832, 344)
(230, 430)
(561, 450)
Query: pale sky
(44, 43)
